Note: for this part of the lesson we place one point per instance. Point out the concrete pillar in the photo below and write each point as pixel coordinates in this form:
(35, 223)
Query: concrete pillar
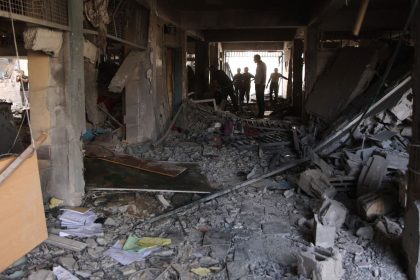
(411, 234)
(311, 64)
(297, 75)
(72, 191)
(311, 59)
(201, 67)
(214, 54)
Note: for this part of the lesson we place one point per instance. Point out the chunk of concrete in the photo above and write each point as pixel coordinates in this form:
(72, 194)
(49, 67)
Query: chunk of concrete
(42, 274)
(320, 264)
(43, 39)
(316, 184)
(237, 270)
(372, 174)
(332, 213)
(65, 243)
(366, 233)
(324, 234)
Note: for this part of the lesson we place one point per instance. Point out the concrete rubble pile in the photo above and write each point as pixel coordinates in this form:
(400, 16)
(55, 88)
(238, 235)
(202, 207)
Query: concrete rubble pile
(317, 220)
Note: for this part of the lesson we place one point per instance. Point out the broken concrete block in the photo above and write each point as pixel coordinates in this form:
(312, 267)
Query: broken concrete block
(217, 238)
(324, 166)
(65, 243)
(42, 274)
(332, 213)
(373, 205)
(316, 184)
(404, 107)
(319, 263)
(324, 234)
(366, 233)
(43, 39)
(372, 174)
(276, 228)
(237, 270)
(397, 161)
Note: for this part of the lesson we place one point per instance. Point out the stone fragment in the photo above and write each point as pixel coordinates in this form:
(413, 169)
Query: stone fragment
(372, 174)
(324, 234)
(128, 270)
(332, 213)
(208, 261)
(289, 193)
(65, 243)
(238, 270)
(314, 183)
(276, 228)
(67, 262)
(91, 243)
(366, 233)
(42, 274)
(320, 264)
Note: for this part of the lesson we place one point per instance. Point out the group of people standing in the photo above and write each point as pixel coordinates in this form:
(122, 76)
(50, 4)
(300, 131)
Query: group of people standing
(239, 88)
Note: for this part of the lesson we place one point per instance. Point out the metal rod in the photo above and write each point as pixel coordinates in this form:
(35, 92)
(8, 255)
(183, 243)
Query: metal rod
(223, 192)
(360, 17)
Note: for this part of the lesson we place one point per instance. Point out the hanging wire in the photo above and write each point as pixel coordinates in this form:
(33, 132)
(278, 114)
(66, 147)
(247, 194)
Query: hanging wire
(25, 98)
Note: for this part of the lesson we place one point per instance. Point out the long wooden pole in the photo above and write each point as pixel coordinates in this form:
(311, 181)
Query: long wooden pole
(21, 158)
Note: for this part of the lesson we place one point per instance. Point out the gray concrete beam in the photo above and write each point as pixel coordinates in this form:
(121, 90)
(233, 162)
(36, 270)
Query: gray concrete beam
(241, 19)
(250, 35)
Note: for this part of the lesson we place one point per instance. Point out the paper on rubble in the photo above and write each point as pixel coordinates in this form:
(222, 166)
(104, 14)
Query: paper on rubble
(126, 257)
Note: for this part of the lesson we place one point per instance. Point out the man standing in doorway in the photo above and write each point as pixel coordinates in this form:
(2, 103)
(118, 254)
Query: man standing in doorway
(247, 77)
(274, 83)
(238, 83)
(260, 78)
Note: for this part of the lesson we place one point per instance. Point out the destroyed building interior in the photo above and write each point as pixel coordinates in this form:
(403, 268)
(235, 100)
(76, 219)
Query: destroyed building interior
(212, 139)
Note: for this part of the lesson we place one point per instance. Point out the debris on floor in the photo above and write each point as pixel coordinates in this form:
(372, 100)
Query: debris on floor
(256, 199)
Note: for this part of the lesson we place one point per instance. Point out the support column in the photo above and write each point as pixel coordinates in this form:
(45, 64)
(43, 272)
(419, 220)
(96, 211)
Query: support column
(311, 59)
(411, 234)
(214, 54)
(297, 75)
(201, 67)
(74, 106)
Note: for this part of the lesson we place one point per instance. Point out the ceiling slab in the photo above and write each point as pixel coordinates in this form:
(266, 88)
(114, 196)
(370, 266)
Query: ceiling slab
(250, 35)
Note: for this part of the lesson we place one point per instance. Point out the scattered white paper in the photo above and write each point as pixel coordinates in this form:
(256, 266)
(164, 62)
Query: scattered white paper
(125, 257)
(81, 224)
(76, 218)
(62, 274)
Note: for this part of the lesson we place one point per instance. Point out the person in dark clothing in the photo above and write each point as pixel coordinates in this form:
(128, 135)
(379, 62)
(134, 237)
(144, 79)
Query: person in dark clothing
(246, 77)
(221, 82)
(274, 83)
(238, 83)
(24, 85)
(260, 79)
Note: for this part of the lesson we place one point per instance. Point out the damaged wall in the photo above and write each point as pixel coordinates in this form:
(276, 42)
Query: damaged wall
(57, 98)
(148, 109)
